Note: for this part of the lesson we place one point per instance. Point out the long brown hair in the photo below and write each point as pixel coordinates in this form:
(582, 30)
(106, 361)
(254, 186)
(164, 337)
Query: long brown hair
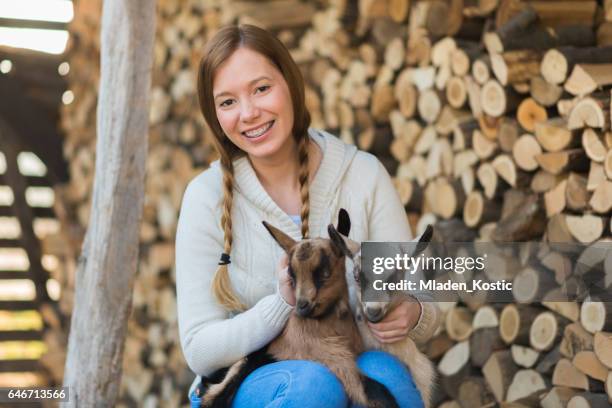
(223, 44)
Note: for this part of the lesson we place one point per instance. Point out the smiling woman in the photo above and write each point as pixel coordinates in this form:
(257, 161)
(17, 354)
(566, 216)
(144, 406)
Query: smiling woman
(22, 24)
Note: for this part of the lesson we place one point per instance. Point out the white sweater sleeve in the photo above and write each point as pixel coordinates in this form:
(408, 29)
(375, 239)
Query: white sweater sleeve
(209, 338)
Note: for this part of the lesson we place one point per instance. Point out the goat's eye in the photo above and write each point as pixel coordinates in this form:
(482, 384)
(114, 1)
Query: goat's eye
(326, 273)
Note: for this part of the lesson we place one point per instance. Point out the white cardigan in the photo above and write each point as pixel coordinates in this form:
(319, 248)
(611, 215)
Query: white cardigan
(211, 337)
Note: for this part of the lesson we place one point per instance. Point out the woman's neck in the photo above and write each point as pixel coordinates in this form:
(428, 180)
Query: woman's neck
(280, 171)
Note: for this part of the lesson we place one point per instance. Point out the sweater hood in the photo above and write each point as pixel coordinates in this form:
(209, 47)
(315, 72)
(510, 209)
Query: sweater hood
(337, 157)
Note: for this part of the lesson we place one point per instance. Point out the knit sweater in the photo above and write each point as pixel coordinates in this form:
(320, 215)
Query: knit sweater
(212, 338)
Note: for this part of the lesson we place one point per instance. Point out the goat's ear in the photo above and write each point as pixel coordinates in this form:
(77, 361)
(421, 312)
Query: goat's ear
(424, 240)
(338, 242)
(344, 222)
(284, 240)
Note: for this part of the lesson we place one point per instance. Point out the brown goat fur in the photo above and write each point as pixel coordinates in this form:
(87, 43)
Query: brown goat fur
(322, 327)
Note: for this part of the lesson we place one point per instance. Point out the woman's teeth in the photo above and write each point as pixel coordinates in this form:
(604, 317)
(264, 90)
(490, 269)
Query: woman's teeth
(258, 132)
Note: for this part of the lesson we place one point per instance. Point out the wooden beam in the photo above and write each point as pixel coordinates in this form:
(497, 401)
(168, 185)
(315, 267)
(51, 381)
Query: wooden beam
(107, 265)
(20, 335)
(37, 24)
(8, 366)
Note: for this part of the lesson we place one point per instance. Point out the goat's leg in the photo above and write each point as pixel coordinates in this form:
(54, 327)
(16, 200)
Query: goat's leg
(221, 395)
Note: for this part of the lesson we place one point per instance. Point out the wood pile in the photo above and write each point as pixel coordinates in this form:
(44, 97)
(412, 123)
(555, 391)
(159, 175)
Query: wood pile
(492, 116)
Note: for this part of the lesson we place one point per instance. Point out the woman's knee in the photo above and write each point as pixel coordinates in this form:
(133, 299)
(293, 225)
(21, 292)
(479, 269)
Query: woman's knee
(292, 383)
(393, 374)
(376, 360)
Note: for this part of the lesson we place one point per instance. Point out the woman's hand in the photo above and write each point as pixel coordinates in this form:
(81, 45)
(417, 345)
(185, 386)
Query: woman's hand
(285, 288)
(398, 322)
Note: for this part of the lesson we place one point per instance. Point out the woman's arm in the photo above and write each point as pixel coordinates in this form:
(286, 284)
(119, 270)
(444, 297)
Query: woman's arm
(388, 222)
(209, 338)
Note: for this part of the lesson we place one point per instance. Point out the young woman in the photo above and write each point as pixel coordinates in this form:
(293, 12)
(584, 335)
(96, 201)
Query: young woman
(233, 291)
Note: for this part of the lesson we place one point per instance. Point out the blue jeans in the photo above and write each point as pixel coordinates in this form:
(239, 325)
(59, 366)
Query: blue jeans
(306, 384)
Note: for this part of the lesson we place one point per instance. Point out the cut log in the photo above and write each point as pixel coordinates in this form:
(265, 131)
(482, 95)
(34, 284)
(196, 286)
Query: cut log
(557, 230)
(473, 392)
(558, 162)
(516, 66)
(607, 166)
(543, 92)
(483, 147)
(558, 397)
(576, 194)
(514, 323)
(477, 211)
(543, 181)
(487, 177)
(429, 105)
(483, 342)
(558, 63)
(601, 201)
(462, 135)
(489, 125)
(566, 375)
(505, 167)
(547, 363)
(463, 161)
(554, 200)
(406, 95)
(485, 317)
(454, 367)
(456, 92)
(597, 176)
(499, 370)
(530, 285)
(398, 10)
(529, 114)
(545, 330)
(596, 316)
(474, 97)
(525, 383)
(553, 135)
(524, 151)
(461, 58)
(508, 134)
(450, 118)
(586, 78)
(592, 111)
(481, 71)
(458, 323)
(586, 228)
(526, 222)
(565, 106)
(497, 100)
(467, 180)
(589, 400)
(593, 145)
(602, 345)
(561, 265)
(575, 340)
(587, 362)
(523, 356)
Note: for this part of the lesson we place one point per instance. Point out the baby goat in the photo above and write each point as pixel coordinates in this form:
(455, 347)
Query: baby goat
(322, 327)
(420, 366)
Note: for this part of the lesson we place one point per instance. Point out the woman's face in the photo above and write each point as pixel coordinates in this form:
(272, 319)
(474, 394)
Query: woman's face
(253, 104)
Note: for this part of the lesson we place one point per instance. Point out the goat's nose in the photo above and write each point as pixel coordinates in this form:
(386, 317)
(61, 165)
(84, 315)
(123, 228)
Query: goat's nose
(374, 315)
(303, 307)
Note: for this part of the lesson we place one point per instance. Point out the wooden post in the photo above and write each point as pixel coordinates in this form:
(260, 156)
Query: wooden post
(107, 264)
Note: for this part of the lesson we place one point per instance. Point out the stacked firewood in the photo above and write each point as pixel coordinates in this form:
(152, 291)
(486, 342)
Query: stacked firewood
(492, 116)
